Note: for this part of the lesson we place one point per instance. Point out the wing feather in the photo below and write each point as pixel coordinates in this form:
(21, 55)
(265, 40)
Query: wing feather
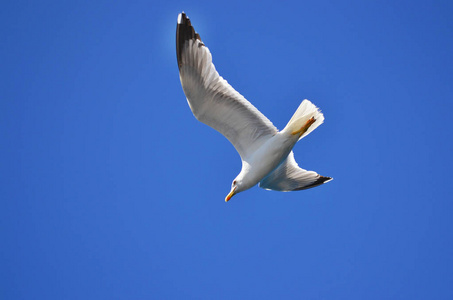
(290, 177)
(212, 100)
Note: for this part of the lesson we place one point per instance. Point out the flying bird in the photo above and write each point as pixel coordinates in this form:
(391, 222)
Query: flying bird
(266, 153)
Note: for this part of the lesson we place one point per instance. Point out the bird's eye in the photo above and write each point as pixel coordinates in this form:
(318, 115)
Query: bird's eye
(234, 182)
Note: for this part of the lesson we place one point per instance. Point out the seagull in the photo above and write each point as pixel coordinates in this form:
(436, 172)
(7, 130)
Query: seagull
(266, 153)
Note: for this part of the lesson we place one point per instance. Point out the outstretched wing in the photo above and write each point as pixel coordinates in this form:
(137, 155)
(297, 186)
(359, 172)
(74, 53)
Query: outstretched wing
(290, 177)
(212, 100)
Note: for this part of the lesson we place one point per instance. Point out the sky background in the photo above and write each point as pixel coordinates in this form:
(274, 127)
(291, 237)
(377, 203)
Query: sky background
(111, 189)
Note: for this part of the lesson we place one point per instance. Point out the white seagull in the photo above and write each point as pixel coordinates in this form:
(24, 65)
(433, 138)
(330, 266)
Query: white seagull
(266, 153)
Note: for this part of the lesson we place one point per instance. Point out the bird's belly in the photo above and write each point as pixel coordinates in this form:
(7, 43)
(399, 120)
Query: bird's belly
(270, 155)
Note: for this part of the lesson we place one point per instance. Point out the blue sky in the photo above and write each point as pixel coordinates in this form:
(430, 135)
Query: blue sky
(110, 189)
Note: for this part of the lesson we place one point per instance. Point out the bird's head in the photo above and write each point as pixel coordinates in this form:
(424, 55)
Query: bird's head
(236, 187)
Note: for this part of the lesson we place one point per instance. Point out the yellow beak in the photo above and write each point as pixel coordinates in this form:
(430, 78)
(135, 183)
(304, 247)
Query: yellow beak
(231, 194)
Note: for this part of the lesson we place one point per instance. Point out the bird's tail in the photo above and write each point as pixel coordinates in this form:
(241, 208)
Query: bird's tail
(303, 114)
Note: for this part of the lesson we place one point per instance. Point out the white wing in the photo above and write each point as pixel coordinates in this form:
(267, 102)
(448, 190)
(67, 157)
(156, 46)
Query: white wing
(212, 100)
(290, 177)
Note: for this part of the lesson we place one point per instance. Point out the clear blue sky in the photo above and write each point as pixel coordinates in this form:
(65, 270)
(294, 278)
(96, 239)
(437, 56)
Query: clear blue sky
(110, 189)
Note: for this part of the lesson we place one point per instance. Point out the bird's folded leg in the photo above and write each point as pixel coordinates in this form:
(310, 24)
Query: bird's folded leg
(304, 128)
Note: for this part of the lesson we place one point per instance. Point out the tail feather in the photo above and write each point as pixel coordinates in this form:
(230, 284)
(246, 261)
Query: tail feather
(305, 111)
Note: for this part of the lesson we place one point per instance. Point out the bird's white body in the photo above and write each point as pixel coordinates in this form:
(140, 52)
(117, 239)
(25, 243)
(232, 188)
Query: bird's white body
(267, 158)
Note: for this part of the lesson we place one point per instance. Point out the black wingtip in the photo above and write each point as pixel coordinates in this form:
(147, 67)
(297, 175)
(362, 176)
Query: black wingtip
(184, 32)
(320, 180)
(182, 18)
